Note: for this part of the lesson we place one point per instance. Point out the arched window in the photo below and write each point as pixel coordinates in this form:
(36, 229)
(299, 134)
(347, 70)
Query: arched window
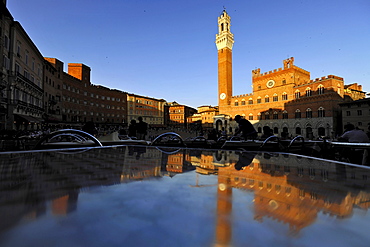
(243, 102)
(297, 94)
(298, 130)
(285, 115)
(275, 97)
(321, 131)
(297, 113)
(320, 89)
(259, 116)
(236, 103)
(250, 101)
(267, 115)
(250, 116)
(284, 96)
(309, 133)
(283, 82)
(338, 90)
(276, 130)
(308, 92)
(308, 113)
(267, 99)
(259, 100)
(275, 115)
(321, 112)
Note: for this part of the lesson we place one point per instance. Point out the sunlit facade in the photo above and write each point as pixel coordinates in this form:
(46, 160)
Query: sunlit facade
(285, 99)
(150, 109)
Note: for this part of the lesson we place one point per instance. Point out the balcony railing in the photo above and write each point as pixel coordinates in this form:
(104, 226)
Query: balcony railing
(27, 106)
(28, 82)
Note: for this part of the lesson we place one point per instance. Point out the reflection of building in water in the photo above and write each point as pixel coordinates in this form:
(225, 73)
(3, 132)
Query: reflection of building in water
(294, 190)
(65, 204)
(141, 163)
(58, 177)
(175, 162)
(207, 162)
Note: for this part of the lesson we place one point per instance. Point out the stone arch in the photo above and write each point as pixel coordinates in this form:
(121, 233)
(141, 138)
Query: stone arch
(219, 124)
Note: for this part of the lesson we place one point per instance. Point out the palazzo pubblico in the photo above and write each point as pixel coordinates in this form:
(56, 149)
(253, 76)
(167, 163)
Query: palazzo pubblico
(285, 99)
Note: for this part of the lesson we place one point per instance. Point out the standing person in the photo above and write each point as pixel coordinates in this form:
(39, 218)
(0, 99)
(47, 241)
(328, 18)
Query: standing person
(132, 128)
(351, 134)
(245, 127)
(90, 128)
(267, 132)
(141, 129)
(356, 156)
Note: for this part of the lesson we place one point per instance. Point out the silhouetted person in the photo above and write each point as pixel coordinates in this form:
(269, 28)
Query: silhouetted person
(212, 135)
(132, 128)
(245, 159)
(141, 129)
(90, 128)
(267, 132)
(351, 134)
(245, 127)
(284, 135)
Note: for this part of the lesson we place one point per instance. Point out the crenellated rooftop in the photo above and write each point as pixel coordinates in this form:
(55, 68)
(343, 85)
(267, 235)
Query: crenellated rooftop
(325, 78)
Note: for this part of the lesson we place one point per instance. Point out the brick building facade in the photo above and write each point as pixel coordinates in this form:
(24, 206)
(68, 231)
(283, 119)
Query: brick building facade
(285, 99)
(178, 114)
(84, 101)
(150, 109)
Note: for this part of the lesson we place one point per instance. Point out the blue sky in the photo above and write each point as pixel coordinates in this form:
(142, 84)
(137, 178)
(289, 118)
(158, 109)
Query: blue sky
(165, 49)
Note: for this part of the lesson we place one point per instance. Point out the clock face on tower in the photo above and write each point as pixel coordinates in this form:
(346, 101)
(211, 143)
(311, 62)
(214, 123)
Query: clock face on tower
(223, 96)
(270, 83)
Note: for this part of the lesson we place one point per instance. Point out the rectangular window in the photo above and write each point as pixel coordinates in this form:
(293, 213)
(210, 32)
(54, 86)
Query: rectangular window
(359, 112)
(348, 113)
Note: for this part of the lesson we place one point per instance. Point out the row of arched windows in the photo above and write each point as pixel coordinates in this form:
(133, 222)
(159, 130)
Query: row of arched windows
(284, 114)
(284, 96)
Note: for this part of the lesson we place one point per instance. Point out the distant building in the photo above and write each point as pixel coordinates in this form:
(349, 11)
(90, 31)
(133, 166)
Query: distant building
(357, 113)
(53, 83)
(83, 101)
(285, 99)
(150, 109)
(204, 116)
(178, 114)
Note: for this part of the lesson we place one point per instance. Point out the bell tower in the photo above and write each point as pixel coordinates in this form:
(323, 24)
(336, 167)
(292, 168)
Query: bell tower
(224, 43)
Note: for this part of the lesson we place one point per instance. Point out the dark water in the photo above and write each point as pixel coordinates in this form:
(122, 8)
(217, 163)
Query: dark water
(143, 196)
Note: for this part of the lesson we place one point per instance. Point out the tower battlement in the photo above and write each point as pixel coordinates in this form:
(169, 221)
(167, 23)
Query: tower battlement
(325, 78)
(288, 64)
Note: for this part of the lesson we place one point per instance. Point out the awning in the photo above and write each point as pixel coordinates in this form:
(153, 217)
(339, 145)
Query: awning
(26, 118)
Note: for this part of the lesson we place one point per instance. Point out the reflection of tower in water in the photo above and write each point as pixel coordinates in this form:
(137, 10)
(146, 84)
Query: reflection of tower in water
(290, 190)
